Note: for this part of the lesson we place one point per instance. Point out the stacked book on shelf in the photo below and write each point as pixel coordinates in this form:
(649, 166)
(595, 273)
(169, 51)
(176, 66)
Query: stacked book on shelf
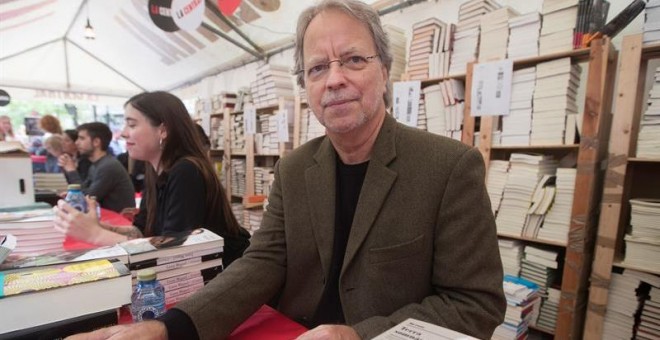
(557, 221)
(542, 199)
(238, 171)
(652, 22)
(522, 301)
(498, 171)
(622, 305)
(33, 229)
(263, 180)
(237, 134)
(540, 265)
(559, 21)
(648, 141)
(237, 209)
(524, 174)
(265, 140)
(643, 240)
(310, 127)
(398, 45)
(243, 98)
(649, 314)
(422, 119)
(444, 106)
(555, 109)
(511, 252)
(466, 37)
(547, 319)
(517, 125)
(49, 182)
(183, 262)
(494, 35)
(252, 219)
(525, 31)
(217, 133)
(429, 36)
(273, 82)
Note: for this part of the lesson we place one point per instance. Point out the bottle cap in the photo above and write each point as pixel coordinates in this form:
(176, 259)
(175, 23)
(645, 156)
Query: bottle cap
(146, 274)
(73, 187)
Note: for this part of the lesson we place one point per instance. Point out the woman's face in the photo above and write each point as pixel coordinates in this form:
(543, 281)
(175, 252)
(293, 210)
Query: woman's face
(69, 145)
(142, 138)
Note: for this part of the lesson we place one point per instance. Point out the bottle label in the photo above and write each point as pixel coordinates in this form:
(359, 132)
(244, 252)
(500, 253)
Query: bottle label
(147, 313)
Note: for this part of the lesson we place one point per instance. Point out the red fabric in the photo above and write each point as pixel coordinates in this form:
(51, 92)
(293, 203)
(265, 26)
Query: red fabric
(267, 323)
(107, 216)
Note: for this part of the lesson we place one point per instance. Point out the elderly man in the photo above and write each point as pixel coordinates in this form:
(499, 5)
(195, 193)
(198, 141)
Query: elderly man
(368, 226)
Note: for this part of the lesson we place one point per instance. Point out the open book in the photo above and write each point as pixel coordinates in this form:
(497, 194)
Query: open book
(420, 330)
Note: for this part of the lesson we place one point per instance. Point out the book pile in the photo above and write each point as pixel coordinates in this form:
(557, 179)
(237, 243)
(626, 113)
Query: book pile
(648, 141)
(35, 298)
(524, 173)
(243, 97)
(443, 108)
(238, 177)
(237, 209)
(517, 125)
(263, 180)
(252, 219)
(511, 252)
(498, 172)
(542, 199)
(273, 82)
(522, 301)
(217, 135)
(652, 22)
(265, 140)
(554, 107)
(183, 262)
(557, 221)
(34, 231)
(559, 20)
(434, 109)
(20, 262)
(422, 117)
(524, 36)
(398, 44)
(310, 127)
(53, 182)
(649, 314)
(547, 319)
(466, 37)
(643, 240)
(237, 134)
(495, 34)
(622, 304)
(427, 42)
(540, 266)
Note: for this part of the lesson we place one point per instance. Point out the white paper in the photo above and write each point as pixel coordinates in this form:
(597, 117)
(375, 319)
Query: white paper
(491, 88)
(283, 126)
(405, 102)
(412, 329)
(206, 117)
(250, 120)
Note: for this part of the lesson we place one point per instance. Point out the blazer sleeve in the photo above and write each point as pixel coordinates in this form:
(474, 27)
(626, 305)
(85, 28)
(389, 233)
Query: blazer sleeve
(467, 270)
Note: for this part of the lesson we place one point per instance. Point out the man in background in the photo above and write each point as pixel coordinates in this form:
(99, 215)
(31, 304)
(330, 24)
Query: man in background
(107, 179)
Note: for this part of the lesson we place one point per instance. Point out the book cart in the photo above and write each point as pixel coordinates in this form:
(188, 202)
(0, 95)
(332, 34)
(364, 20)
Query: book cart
(591, 151)
(627, 176)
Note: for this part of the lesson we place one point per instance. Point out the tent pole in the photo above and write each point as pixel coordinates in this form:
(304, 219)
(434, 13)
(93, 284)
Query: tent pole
(231, 40)
(210, 5)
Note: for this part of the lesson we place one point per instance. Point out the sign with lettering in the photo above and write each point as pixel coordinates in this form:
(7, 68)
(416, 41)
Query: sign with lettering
(187, 14)
(4, 98)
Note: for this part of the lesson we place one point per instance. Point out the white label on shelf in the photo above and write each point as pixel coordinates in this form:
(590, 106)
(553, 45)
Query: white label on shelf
(405, 107)
(283, 126)
(491, 88)
(250, 120)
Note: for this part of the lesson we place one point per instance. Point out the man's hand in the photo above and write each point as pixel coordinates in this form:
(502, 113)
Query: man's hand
(330, 332)
(148, 330)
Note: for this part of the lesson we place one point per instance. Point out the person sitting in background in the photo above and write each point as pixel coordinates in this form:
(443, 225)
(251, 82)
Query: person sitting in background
(373, 223)
(55, 148)
(181, 190)
(107, 179)
(6, 129)
(51, 126)
(81, 164)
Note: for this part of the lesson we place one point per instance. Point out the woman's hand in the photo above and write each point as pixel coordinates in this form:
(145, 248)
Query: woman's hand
(83, 226)
(66, 162)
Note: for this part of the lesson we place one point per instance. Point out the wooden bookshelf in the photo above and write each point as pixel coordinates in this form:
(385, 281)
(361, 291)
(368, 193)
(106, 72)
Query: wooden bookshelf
(627, 177)
(533, 240)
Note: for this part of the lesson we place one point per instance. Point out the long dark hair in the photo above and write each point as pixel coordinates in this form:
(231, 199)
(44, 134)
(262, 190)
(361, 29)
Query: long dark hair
(182, 142)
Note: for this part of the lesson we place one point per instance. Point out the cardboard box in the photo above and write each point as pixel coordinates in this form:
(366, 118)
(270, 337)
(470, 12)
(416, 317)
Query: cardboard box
(16, 185)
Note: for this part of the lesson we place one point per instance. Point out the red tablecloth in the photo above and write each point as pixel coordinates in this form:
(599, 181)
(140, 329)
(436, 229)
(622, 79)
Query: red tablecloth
(107, 216)
(267, 323)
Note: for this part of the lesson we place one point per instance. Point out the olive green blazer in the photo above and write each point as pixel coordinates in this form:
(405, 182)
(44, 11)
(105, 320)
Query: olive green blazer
(423, 242)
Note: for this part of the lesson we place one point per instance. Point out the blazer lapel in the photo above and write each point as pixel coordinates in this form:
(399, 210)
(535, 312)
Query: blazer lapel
(377, 184)
(321, 186)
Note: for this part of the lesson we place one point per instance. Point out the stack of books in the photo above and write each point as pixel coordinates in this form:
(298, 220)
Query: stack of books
(217, 135)
(559, 20)
(434, 109)
(542, 199)
(649, 313)
(524, 174)
(237, 134)
(622, 304)
(495, 34)
(540, 266)
(547, 319)
(652, 22)
(422, 117)
(252, 219)
(428, 37)
(310, 127)
(398, 44)
(237, 209)
(243, 98)
(554, 106)
(522, 301)
(498, 171)
(263, 179)
(511, 252)
(238, 177)
(265, 140)
(557, 221)
(183, 262)
(34, 231)
(643, 240)
(517, 125)
(524, 36)
(648, 141)
(466, 37)
(273, 82)
(50, 182)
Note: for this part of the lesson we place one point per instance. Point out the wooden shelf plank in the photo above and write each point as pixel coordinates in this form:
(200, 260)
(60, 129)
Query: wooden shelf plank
(643, 160)
(534, 240)
(634, 267)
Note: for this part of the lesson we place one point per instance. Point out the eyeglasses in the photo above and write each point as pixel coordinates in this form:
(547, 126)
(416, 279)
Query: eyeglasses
(350, 62)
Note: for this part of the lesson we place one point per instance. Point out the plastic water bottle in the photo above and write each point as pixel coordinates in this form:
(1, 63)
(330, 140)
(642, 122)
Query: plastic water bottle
(148, 299)
(76, 198)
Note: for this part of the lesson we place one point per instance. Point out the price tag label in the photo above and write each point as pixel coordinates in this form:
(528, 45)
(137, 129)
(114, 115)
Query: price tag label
(250, 120)
(283, 126)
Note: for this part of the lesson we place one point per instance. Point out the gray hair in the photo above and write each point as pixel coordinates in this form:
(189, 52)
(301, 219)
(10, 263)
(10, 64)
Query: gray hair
(362, 13)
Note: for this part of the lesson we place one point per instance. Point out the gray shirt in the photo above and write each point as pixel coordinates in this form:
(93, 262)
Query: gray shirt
(109, 182)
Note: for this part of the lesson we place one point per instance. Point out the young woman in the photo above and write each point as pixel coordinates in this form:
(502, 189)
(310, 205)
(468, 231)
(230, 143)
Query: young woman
(182, 191)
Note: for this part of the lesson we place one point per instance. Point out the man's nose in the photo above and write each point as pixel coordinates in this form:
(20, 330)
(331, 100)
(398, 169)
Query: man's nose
(336, 75)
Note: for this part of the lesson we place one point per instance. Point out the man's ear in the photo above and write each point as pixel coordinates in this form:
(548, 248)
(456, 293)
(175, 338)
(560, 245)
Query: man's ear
(96, 143)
